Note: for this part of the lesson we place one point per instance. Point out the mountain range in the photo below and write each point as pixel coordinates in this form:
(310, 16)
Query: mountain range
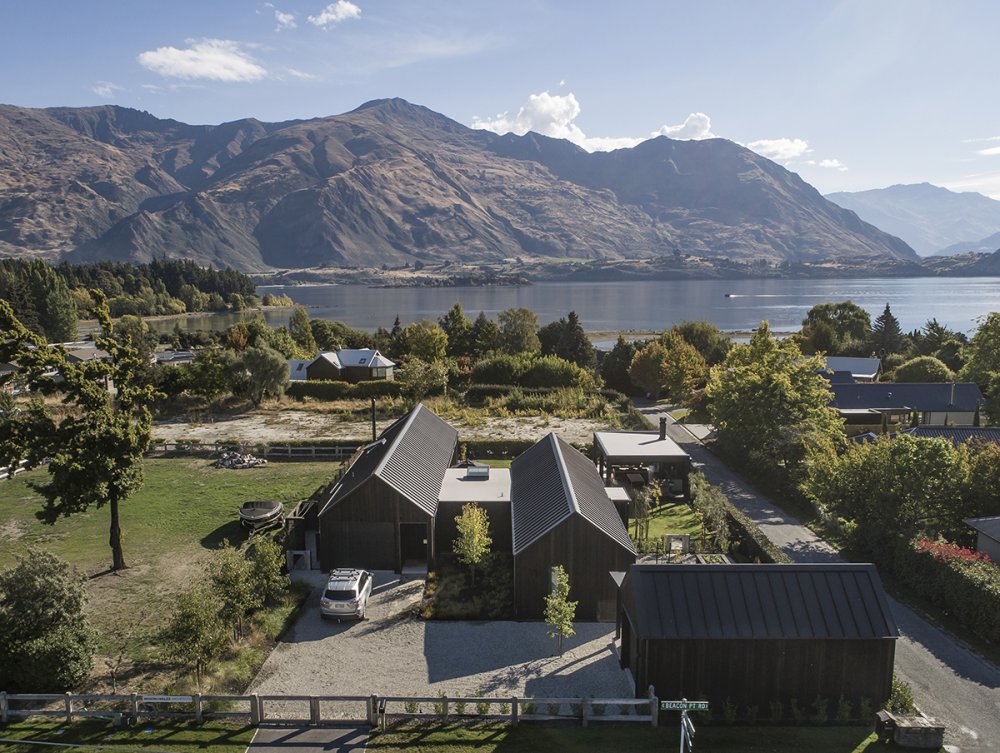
(931, 219)
(392, 183)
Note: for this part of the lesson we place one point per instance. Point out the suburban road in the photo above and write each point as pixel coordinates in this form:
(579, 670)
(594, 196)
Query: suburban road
(950, 681)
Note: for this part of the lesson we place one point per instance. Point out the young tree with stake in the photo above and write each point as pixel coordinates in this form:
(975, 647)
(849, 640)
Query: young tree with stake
(473, 541)
(559, 610)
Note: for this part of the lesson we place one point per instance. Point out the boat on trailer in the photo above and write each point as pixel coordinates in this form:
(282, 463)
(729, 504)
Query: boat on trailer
(261, 514)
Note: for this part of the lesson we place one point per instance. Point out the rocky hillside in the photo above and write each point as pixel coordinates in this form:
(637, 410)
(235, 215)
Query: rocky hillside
(392, 183)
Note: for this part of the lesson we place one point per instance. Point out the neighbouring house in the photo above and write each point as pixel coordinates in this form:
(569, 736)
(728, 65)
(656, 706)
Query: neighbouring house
(936, 404)
(480, 484)
(351, 366)
(859, 369)
(561, 515)
(957, 435)
(988, 541)
(750, 635)
(174, 357)
(82, 355)
(7, 370)
(297, 369)
(634, 457)
(381, 513)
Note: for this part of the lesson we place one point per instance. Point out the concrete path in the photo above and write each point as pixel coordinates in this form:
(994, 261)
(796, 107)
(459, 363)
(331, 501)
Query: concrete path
(309, 739)
(951, 682)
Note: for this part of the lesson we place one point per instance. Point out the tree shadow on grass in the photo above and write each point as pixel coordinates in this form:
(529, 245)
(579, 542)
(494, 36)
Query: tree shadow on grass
(232, 532)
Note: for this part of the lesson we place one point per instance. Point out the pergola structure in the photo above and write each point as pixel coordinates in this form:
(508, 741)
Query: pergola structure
(647, 449)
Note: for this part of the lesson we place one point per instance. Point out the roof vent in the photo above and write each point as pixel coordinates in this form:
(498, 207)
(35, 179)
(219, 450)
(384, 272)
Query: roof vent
(477, 471)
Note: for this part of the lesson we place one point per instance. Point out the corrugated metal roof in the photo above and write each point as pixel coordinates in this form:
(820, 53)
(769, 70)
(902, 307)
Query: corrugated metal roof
(936, 397)
(863, 367)
(987, 526)
(828, 600)
(552, 481)
(957, 434)
(411, 455)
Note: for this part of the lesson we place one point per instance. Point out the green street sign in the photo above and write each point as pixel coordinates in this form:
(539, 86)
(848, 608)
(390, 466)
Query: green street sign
(683, 705)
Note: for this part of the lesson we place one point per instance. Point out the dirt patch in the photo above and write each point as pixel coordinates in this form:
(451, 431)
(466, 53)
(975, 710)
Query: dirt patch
(11, 530)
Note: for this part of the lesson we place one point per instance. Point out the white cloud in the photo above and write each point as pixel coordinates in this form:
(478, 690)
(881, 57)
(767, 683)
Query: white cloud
(990, 152)
(984, 183)
(214, 59)
(301, 75)
(833, 164)
(334, 13)
(284, 20)
(781, 150)
(105, 89)
(553, 115)
(979, 140)
(696, 126)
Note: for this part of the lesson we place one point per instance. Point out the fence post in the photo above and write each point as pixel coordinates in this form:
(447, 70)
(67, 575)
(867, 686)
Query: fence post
(372, 706)
(444, 706)
(3, 706)
(314, 710)
(134, 703)
(198, 716)
(255, 710)
(514, 712)
(654, 707)
(68, 702)
(585, 711)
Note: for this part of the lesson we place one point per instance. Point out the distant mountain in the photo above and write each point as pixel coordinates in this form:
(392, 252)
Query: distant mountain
(394, 183)
(927, 217)
(985, 246)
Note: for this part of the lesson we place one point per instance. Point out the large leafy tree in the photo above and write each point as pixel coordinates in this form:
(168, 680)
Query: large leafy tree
(835, 328)
(95, 446)
(615, 366)
(669, 365)
(265, 373)
(519, 331)
(770, 405)
(196, 634)
(706, 338)
(424, 340)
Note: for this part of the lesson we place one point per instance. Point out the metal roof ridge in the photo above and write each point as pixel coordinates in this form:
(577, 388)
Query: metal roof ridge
(564, 476)
(396, 440)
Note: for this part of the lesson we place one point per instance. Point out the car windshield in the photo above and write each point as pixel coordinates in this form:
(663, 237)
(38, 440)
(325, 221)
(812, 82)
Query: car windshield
(339, 595)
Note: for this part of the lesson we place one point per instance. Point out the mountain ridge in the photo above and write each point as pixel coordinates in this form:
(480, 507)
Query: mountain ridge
(391, 183)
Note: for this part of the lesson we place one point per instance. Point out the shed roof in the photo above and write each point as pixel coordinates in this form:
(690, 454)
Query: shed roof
(553, 481)
(859, 367)
(817, 601)
(411, 455)
(637, 447)
(987, 526)
(935, 397)
(458, 486)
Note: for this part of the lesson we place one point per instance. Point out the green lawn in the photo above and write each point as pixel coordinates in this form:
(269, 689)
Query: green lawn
(185, 509)
(175, 737)
(674, 517)
(634, 739)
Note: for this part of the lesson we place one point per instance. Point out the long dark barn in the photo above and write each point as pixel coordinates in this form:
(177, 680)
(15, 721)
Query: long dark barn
(380, 514)
(755, 634)
(561, 515)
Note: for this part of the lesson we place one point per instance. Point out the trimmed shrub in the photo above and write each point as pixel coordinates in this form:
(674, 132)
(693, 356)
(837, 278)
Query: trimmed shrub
(334, 390)
(528, 370)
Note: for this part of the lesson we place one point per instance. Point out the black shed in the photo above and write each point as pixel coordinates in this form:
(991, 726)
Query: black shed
(561, 515)
(756, 634)
(380, 514)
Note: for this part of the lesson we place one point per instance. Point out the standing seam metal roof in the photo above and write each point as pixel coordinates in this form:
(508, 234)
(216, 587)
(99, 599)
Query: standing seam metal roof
(988, 526)
(552, 481)
(733, 602)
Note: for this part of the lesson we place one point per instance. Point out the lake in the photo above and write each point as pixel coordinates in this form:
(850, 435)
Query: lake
(644, 305)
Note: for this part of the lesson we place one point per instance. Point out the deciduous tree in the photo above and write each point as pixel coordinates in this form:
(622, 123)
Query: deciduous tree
(559, 610)
(923, 369)
(232, 577)
(473, 541)
(519, 331)
(196, 634)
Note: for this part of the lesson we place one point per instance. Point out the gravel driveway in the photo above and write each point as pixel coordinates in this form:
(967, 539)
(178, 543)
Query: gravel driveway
(393, 653)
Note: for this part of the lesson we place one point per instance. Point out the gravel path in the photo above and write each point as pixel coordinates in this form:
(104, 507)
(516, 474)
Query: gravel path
(394, 653)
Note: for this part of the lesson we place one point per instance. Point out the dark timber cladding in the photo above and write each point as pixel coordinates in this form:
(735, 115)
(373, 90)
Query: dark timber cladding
(380, 513)
(753, 634)
(561, 515)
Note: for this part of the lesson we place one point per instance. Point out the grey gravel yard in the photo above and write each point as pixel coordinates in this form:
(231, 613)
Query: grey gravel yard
(394, 653)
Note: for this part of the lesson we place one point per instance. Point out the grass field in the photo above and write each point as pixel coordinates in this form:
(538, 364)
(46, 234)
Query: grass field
(185, 509)
(528, 738)
(175, 737)
(674, 517)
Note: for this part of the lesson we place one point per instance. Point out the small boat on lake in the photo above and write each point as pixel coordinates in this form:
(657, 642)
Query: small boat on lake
(261, 514)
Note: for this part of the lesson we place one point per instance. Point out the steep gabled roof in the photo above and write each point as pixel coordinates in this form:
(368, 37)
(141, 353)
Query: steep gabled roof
(933, 397)
(816, 601)
(859, 367)
(367, 357)
(986, 526)
(553, 481)
(411, 455)
(330, 356)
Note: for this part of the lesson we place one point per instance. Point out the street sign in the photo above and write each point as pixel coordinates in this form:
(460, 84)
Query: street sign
(683, 705)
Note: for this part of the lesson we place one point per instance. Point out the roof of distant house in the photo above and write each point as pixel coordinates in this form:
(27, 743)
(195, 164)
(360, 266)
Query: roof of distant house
(934, 397)
(637, 446)
(459, 486)
(866, 368)
(297, 368)
(957, 434)
(552, 481)
(818, 601)
(366, 358)
(411, 455)
(987, 526)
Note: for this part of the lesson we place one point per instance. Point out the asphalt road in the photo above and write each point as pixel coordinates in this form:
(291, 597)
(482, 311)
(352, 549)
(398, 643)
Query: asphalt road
(950, 681)
(309, 740)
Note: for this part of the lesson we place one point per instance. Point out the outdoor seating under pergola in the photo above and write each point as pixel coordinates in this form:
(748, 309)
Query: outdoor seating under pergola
(637, 453)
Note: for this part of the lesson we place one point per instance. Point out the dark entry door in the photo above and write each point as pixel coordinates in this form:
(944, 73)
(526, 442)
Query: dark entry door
(413, 542)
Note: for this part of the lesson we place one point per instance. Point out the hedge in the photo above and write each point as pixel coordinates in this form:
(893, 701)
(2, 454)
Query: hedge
(334, 390)
(751, 541)
(958, 581)
(501, 449)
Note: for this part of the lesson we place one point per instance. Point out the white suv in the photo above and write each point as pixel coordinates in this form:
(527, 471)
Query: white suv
(346, 594)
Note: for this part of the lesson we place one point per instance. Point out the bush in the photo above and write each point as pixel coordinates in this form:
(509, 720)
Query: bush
(528, 370)
(335, 390)
(901, 700)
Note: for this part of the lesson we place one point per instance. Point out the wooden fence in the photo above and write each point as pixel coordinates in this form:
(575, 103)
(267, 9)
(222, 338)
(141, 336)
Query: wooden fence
(294, 452)
(11, 472)
(372, 710)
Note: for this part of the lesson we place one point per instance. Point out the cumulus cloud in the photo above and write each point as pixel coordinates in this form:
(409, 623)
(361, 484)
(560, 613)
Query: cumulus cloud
(284, 20)
(833, 164)
(334, 13)
(553, 115)
(105, 89)
(213, 59)
(780, 150)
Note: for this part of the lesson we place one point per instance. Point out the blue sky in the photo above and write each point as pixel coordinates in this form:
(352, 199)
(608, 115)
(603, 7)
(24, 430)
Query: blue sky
(851, 95)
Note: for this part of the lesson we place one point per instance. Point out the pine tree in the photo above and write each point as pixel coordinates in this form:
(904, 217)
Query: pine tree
(485, 336)
(459, 329)
(574, 345)
(887, 336)
(614, 367)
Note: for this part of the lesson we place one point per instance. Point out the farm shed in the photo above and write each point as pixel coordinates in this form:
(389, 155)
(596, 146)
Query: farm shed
(380, 513)
(487, 487)
(753, 634)
(561, 515)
